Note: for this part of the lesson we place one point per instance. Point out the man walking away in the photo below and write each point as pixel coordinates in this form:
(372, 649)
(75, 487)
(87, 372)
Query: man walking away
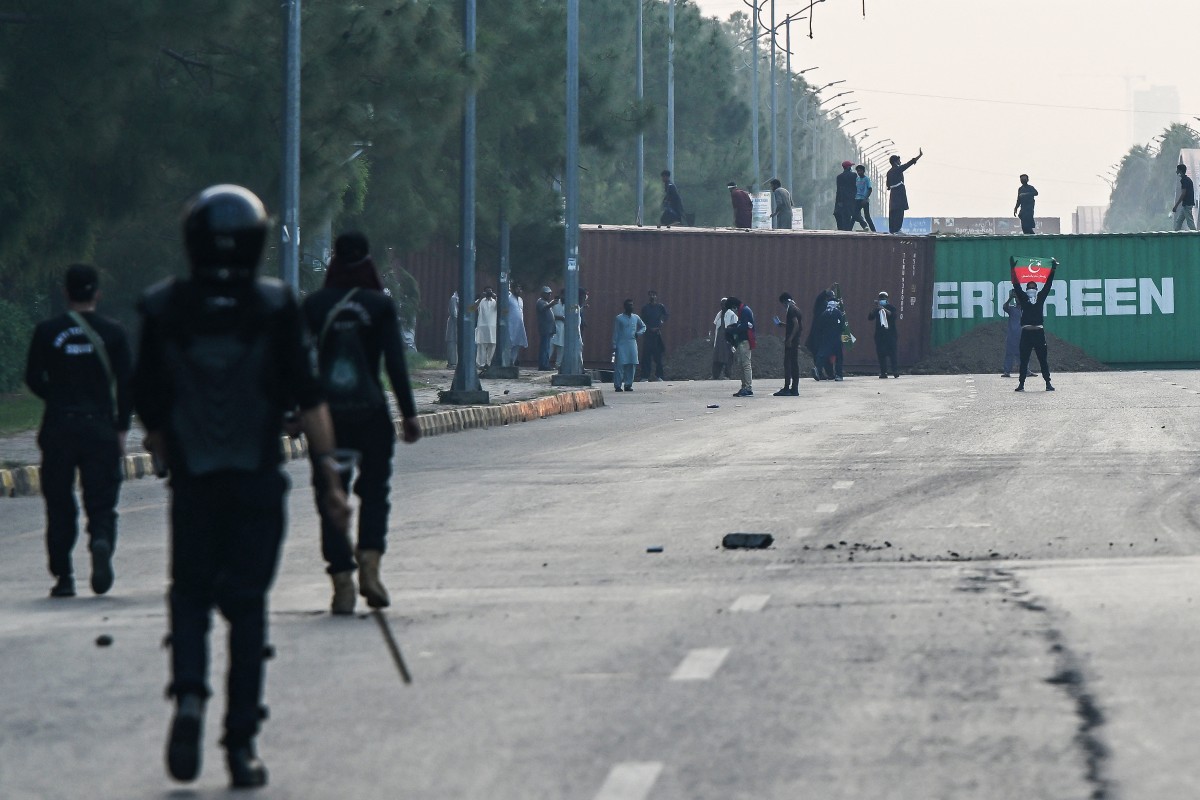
(1012, 336)
(781, 206)
(844, 206)
(863, 188)
(654, 314)
(672, 203)
(626, 328)
(1185, 200)
(544, 310)
(897, 193)
(223, 356)
(1033, 327)
(742, 338)
(885, 317)
(791, 346)
(743, 206)
(1024, 207)
(79, 363)
(354, 326)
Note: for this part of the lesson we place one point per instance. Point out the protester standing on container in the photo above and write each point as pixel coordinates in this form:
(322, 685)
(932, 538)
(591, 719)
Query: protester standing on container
(1033, 324)
(485, 328)
(626, 328)
(722, 350)
(863, 188)
(743, 206)
(672, 203)
(781, 206)
(897, 193)
(1024, 206)
(844, 206)
(654, 314)
(354, 327)
(223, 356)
(1012, 336)
(1185, 200)
(885, 317)
(79, 363)
(742, 338)
(791, 346)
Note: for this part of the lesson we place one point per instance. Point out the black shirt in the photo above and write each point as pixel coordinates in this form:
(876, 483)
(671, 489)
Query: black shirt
(654, 315)
(1032, 310)
(1188, 190)
(63, 369)
(1025, 195)
(847, 187)
(795, 324)
(892, 317)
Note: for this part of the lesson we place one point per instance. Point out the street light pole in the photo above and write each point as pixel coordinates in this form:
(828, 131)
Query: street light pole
(755, 162)
(788, 102)
(570, 368)
(774, 92)
(641, 143)
(289, 265)
(671, 88)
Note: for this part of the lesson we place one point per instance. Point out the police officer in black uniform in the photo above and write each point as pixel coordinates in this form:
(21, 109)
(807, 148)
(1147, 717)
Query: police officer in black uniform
(354, 325)
(79, 364)
(223, 355)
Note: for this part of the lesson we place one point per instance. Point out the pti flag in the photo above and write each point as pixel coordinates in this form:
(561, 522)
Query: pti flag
(1031, 269)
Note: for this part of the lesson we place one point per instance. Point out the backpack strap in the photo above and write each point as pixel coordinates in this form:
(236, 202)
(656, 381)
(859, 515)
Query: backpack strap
(333, 312)
(101, 353)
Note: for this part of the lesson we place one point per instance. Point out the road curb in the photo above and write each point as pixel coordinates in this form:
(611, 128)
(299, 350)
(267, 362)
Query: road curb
(27, 481)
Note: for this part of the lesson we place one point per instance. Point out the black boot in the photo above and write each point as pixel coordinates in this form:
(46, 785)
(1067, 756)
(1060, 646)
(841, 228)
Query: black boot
(64, 587)
(246, 770)
(183, 744)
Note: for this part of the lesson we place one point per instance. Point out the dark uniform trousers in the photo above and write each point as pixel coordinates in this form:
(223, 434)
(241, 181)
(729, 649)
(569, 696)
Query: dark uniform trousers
(1034, 340)
(885, 349)
(372, 434)
(653, 354)
(87, 443)
(226, 533)
(791, 364)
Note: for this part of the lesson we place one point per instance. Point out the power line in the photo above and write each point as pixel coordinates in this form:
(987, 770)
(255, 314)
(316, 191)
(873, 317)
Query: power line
(1024, 103)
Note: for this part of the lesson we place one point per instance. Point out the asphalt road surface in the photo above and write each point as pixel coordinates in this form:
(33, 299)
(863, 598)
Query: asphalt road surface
(973, 593)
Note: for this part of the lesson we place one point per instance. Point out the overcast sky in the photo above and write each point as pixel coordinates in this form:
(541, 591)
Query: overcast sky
(994, 89)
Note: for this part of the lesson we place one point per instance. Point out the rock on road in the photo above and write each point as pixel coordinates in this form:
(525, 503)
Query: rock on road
(973, 593)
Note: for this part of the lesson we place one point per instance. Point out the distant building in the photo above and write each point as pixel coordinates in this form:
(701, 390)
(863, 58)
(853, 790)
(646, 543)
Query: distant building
(1088, 219)
(1154, 109)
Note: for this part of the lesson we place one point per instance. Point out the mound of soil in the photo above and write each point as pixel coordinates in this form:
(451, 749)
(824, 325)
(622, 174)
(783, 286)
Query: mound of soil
(981, 350)
(693, 361)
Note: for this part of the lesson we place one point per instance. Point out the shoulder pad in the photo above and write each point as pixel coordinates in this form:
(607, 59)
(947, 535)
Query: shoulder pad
(275, 293)
(155, 299)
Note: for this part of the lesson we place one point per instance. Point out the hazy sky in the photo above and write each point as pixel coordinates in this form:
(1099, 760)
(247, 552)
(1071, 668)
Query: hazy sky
(993, 89)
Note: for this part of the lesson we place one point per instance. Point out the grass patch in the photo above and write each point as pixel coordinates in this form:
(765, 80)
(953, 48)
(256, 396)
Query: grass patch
(19, 412)
(419, 361)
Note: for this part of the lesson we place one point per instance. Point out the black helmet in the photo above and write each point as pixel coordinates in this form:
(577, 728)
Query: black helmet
(224, 229)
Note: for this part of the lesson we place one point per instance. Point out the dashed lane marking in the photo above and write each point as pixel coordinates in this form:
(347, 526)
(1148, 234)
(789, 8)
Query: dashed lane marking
(842, 484)
(900, 439)
(630, 780)
(826, 508)
(700, 664)
(750, 602)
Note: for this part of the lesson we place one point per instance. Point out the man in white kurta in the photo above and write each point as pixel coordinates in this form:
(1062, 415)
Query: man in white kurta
(626, 328)
(485, 328)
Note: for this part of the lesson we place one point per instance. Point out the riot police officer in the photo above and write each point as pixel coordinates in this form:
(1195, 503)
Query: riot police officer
(79, 364)
(355, 328)
(223, 355)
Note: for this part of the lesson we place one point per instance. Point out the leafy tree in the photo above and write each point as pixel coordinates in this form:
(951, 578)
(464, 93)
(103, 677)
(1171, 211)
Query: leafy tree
(1146, 184)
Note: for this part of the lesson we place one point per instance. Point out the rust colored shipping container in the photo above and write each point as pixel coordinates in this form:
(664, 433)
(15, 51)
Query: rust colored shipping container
(692, 269)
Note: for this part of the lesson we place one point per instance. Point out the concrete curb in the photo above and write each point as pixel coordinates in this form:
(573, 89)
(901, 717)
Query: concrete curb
(26, 481)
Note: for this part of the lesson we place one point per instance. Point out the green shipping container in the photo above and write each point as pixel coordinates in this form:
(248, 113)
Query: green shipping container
(1124, 298)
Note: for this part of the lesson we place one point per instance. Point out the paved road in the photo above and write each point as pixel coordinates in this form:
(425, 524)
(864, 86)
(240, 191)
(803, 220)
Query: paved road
(973, 594)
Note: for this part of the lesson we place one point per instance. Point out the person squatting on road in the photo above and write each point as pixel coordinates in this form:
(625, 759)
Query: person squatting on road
(354, 327)
(722, 351)
(79, 363)
(655, 315)
(1033, 330)
(1023, 209)
(897, 193)
(223, 356)
(886, 317)
(1012, 336)
(791, 346)
(742, 338)
(626, 328)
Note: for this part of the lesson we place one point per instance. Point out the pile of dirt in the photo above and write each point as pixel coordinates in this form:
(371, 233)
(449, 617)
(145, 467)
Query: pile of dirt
(693, 361)
(981, 350)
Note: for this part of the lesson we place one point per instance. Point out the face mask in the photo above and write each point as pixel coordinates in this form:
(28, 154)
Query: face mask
(1032, 295)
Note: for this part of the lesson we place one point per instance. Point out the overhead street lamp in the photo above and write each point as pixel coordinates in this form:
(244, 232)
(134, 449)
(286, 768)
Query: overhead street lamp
(850, 122)
(863, 132)
(834, 97)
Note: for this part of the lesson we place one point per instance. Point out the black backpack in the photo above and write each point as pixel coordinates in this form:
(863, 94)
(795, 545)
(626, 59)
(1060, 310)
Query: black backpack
(345, 373)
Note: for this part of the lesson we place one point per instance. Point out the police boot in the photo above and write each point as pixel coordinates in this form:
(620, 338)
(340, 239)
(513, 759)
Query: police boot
(369, 584)
(183, 744)
(343, 593)
(246, 770)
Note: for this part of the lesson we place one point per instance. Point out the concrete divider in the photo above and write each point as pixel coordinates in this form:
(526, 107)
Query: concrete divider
(25, 481)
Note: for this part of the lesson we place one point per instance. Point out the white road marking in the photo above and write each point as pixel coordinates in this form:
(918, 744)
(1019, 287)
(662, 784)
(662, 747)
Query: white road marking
(881, 453)
(842, 484)
(630, 780)
(750, 602)
(900, 439)
(803, 533)
(826, 508)
(700, 664)
(779, 566)
(916, 428)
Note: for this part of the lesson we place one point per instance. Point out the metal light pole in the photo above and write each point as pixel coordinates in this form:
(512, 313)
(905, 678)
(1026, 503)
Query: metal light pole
(788, 102)
(641, 142)
(570, 370)
(671, 88)
(754, 163)
(502, 366)
(289, 252)
(774, 92)
(466, 389)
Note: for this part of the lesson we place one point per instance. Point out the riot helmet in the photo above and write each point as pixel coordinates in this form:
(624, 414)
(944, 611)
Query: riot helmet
(224, 230)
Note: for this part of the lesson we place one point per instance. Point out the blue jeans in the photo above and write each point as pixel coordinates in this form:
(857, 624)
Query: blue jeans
(544, 349)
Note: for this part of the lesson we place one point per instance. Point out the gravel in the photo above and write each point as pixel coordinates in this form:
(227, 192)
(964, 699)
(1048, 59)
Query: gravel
(981, 350)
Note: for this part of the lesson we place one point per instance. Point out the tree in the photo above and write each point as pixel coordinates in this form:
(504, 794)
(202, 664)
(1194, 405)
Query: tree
(1146, 184)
